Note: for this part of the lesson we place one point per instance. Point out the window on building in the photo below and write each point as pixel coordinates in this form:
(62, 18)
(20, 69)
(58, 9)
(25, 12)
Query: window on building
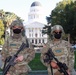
(36, 29)
(30, 17)
(36, 35)
(35, 41)
(32, 41)
(40, 30)
(32, 29)
(34, 17)
(29, 35)
(39, 40)
(40, 35)
(29, 30)
(43, 41)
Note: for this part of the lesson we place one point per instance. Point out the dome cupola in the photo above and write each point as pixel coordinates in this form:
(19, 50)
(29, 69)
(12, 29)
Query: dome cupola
(36, 3)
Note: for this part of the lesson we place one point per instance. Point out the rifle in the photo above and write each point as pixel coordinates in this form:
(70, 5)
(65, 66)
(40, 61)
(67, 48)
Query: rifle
(50, 56)
(11, 59)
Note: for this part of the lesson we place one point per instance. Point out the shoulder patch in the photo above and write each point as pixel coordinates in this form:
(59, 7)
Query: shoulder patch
(58, 51)
(12, 44)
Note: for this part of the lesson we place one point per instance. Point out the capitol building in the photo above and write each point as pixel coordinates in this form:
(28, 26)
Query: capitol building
(34, 25)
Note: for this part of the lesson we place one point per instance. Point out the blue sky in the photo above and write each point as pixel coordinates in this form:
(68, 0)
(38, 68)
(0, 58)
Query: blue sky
(22, 7)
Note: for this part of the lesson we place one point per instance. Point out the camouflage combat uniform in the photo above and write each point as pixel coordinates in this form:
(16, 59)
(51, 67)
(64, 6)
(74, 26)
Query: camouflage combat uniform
(11, 46)
(63, 53)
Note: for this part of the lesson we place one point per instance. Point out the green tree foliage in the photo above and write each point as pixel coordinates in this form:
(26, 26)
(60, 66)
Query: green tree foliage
(7, 18)
(65, 16)
(46, 29)
(1, 32)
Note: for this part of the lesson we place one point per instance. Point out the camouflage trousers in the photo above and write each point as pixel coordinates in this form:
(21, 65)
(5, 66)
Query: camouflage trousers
(19, 74)
(55, 73)
(18, 70)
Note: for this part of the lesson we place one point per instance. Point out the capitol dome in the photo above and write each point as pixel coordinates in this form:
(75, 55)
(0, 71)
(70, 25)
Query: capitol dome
(36, 3)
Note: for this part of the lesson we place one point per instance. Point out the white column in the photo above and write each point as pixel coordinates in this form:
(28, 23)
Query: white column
(41, 40)
(37, 41)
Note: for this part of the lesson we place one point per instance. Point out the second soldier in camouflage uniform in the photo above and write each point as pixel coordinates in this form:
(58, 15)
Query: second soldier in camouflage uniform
(12, 45)
(60, 48)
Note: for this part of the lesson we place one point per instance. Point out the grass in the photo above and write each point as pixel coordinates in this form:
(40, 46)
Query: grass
(36, 64)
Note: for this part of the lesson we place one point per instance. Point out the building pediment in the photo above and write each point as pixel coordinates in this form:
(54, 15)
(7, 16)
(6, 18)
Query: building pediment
(34, 24)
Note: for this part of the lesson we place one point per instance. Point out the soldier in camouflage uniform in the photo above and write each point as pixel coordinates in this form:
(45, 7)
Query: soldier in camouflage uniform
(11, 46)
(61, 49)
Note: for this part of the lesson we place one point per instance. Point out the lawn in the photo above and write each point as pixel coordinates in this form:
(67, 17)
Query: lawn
(36, 64)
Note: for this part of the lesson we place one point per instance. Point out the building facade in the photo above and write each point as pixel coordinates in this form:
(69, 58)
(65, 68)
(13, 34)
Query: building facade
(35, 25)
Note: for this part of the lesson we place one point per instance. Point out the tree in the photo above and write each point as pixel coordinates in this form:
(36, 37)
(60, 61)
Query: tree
(6, 20)
(65, 16)
(1, 32)
(53, 19)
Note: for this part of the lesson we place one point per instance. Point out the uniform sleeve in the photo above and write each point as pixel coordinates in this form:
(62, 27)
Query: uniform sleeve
(70, 57)
(4, 51)
(43, 56)
(30, 54)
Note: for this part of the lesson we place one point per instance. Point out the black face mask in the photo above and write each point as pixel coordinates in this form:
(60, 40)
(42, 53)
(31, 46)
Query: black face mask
(57, 36)
(17, 31)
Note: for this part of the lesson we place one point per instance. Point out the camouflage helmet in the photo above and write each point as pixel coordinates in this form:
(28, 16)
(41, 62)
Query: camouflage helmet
(57, 27)
(16, 23)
